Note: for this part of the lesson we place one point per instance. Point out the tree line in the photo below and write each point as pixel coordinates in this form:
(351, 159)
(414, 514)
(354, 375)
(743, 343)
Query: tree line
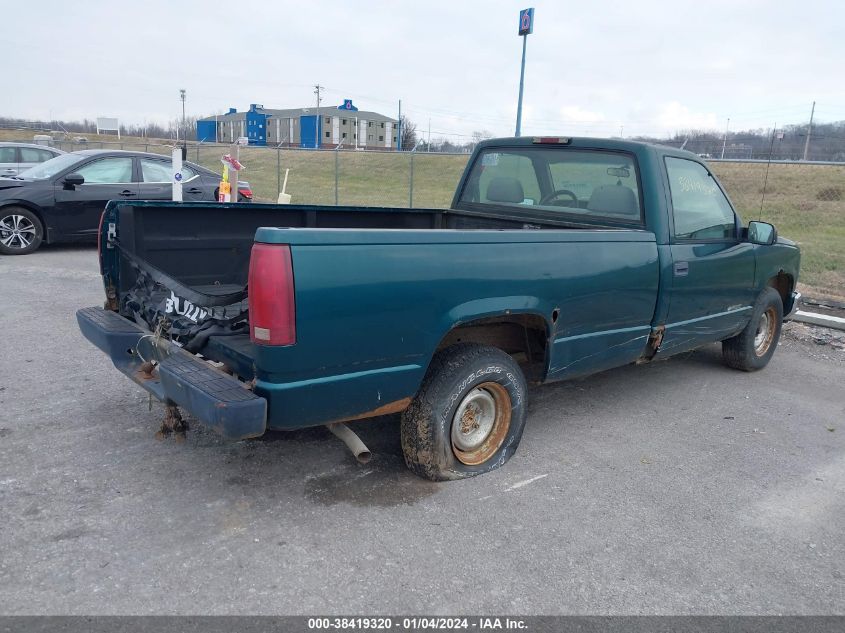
(172, 130)
(827, 140)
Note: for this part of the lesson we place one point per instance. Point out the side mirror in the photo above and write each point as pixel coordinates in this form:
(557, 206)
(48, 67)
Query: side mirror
(762, 233)
(73, 180)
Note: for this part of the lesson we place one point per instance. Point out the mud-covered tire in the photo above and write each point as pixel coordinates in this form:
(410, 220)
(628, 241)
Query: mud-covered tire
(488, 388)
(21, 232)
(752, 349)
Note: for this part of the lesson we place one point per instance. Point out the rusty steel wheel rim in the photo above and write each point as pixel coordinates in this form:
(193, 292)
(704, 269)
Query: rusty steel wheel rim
(765, 333)
(481, 423)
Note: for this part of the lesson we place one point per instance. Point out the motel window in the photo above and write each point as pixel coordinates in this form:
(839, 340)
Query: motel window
(344, 135)
(328, 135)
(328, 119)
(381, 138)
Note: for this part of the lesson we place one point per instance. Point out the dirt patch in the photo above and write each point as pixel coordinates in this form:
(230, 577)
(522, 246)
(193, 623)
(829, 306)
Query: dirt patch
(820, 342)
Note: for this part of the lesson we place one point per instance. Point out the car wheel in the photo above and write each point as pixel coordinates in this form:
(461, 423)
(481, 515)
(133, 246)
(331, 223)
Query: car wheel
(752, 349)
(468, 416)
(21, 231)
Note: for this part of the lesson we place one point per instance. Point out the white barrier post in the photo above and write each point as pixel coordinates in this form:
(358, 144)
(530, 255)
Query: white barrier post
(177, 174)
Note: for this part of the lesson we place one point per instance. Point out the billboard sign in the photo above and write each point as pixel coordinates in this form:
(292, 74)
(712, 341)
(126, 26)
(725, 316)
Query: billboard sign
(347, 105)
(526, 21)
(108, 124)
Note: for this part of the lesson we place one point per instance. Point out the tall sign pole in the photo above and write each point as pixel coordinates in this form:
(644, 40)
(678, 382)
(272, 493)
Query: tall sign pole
(526, 27)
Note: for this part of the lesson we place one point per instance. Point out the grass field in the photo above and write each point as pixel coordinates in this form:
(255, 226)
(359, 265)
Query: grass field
(805, 202)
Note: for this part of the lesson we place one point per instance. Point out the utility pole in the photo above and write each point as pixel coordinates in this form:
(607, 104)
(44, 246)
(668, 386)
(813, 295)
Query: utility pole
(809, 132)
(428, 145)
(725, 140)
(526, 27)
(317, 89)
(399, 134)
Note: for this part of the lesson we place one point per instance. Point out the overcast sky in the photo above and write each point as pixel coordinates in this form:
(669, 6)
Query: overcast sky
(593, 68)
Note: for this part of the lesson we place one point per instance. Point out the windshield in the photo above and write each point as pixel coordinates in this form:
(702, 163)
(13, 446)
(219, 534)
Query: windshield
(50, 168)
(573, 182)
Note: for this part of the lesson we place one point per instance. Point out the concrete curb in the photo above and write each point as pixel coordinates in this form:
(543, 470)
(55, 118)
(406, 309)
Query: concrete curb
(837, 323)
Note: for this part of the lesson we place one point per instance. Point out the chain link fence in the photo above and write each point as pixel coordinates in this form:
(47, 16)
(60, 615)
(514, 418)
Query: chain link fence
(806, 201)
(324, 177)
(344, 177)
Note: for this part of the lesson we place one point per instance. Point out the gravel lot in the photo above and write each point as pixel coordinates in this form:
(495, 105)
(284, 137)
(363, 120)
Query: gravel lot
(677, 487)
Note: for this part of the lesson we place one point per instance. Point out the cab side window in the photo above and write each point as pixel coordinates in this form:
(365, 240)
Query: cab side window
(700, 209)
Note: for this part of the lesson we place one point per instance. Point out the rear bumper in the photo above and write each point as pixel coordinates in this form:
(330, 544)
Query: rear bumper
(216, 399)
(792, 309)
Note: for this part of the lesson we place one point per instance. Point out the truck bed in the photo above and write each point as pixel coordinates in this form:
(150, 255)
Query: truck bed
(207, 245)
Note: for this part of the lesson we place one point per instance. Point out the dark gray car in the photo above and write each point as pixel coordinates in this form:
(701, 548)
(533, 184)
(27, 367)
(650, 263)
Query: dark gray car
(61, 200)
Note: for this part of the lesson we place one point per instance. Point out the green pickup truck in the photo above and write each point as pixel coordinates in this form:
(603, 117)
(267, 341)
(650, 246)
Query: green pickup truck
(559, 257)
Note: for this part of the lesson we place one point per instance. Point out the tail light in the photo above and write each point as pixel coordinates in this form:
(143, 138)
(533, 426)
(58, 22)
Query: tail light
(272, 311)
(245, 192)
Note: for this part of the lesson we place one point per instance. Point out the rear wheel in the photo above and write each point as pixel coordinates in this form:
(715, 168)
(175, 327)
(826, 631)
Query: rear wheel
(21, 231)
(469, 415)
(754, 347)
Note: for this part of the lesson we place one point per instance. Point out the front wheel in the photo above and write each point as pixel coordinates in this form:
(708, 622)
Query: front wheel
(469, 415)
(20, 231)
(752, 349)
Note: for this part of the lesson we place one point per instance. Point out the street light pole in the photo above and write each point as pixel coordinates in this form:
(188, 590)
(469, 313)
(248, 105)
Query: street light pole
(184, 126)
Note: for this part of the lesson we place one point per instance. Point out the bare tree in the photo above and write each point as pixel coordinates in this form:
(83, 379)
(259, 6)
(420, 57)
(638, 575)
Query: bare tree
(481, 135)
(409, 133)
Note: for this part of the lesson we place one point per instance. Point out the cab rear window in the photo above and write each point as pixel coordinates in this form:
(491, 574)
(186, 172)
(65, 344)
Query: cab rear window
(582, 183)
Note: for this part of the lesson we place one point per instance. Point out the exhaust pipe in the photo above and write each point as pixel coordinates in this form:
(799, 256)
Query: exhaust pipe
(348, 437)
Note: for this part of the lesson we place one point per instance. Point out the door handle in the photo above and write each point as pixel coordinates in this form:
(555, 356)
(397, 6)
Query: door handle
(194, 190)
(126, 193)
(681, 269)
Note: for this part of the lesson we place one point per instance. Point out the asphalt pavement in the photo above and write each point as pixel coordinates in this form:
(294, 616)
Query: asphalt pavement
(678, 487)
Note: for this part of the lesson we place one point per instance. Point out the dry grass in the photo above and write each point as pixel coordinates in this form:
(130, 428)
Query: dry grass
(802, 201)
(364, 178)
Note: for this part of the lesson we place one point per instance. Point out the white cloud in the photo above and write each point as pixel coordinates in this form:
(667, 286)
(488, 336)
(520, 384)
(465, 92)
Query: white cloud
(577, 114)
(674, 116)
